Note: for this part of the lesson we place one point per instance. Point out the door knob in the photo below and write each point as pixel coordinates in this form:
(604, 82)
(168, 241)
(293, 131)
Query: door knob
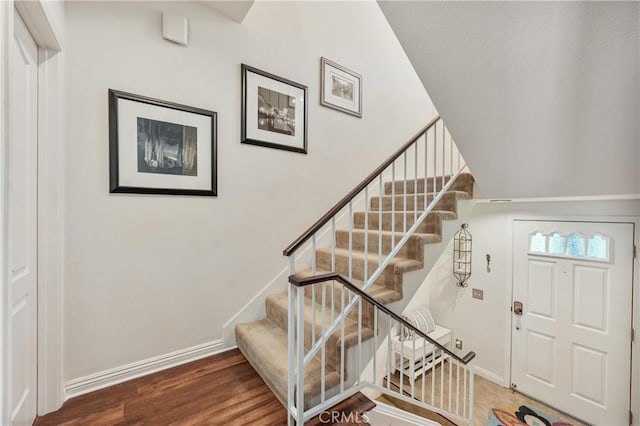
(517, 308)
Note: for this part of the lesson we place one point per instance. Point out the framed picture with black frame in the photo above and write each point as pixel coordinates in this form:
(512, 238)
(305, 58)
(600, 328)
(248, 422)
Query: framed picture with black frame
(160, 147)
(274, 111)
(340, 88)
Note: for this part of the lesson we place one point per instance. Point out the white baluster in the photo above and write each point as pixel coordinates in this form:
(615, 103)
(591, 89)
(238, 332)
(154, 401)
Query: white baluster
(350, 245)
(342, 291)
(380, 221)
(393, 204)
(443, 155)
(404, 182)
(441, 379)
(333, 266)
(389, 355)
(359, 366)
(366, 233)
(458, 387)
(435, 159)
(291, 340)
(464, 392)
(449, 383)
(313, 290)
(300, 352)
(424, 370)
(375, 344)
(471, 396)
(426, 168)
(412, 370)
(401, 358)
(415, 184)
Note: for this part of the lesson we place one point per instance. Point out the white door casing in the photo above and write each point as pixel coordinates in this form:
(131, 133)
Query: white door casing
(22, 217)
(571, 347)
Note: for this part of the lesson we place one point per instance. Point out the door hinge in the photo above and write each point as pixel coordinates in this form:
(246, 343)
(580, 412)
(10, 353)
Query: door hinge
(635, 251)
(633, 335)
(630, 417)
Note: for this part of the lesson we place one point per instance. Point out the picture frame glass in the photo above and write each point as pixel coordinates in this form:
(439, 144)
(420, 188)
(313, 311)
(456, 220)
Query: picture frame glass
(172, 148)
(274, 112)
(341, 88)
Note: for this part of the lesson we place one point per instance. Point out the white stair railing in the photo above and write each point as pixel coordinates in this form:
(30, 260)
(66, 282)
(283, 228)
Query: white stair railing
(437, 164)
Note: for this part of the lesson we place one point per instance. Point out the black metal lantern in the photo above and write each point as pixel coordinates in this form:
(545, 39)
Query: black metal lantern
(462, 255)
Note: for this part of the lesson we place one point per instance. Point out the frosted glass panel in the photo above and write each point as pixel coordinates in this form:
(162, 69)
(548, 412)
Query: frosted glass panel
(556, 244)
(597, 247)
(575, 245)
(538, 243)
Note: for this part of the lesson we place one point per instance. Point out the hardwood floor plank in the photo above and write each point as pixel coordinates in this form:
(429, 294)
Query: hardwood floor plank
(220, 390)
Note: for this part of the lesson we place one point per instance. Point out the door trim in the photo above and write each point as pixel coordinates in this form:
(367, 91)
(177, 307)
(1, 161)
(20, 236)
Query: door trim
(635, 311)
(40, 21)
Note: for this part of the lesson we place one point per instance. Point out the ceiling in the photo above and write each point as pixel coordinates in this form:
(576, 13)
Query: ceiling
(543, 98)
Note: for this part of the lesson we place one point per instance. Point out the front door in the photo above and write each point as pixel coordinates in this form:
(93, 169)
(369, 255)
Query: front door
(571, 322)
(23, 225)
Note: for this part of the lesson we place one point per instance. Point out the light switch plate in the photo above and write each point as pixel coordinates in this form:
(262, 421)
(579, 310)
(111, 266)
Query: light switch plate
(477, 294)
(458, 344)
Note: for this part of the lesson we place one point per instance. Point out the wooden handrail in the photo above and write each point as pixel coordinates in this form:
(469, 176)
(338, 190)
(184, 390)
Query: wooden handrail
(333, 276)
(355, 191)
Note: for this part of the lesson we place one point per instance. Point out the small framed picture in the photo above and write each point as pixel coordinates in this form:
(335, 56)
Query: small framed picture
(159, 147)
(340, 88)
(274, 111)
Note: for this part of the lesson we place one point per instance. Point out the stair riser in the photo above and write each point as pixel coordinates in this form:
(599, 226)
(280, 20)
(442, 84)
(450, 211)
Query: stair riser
(447, 203)
(391, 277)
(431, 225)
(413, 249)
(463, 183)
(280, 316)
(338, 289)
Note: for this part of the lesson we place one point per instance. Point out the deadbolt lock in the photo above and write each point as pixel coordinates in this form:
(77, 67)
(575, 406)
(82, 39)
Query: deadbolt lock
(517, 308)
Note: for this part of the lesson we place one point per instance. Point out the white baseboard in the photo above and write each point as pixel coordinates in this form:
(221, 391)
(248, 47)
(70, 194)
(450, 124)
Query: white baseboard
(103, 379)
(492, 377)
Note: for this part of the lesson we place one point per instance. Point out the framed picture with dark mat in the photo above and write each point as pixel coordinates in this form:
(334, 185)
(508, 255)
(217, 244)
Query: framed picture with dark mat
(274, 111)
(161, 147)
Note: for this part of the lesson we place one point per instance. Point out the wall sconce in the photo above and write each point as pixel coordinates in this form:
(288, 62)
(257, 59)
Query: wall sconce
(462, 255)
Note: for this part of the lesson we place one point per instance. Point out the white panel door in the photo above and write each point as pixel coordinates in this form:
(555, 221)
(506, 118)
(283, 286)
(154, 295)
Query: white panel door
(572, 342)
(23, 225)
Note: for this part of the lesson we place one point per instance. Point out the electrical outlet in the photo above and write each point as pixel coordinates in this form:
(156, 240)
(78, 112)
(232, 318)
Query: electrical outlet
(458, 344)
(477, 294)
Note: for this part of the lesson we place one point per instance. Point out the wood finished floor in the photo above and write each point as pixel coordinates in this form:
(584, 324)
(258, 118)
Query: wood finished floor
(220, 390)
(488, 395)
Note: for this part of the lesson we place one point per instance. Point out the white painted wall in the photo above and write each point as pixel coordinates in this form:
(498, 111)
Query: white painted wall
(484, 325)
(148, 275)
(550, 88)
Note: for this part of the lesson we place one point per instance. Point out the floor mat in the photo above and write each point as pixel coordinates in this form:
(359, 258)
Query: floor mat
(518, 415)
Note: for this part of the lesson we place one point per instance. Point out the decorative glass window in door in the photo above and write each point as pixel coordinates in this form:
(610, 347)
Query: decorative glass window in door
(574, 245)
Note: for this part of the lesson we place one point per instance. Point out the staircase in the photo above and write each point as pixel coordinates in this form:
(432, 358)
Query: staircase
(334, 319)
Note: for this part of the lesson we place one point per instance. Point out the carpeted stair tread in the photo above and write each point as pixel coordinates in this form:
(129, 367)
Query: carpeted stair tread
(447, 202)
(277, 312)
(428, 238)
(402, 263)
(413, 249)
(264, 344)
(396, 221)
(379, 292)
(464, 182)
